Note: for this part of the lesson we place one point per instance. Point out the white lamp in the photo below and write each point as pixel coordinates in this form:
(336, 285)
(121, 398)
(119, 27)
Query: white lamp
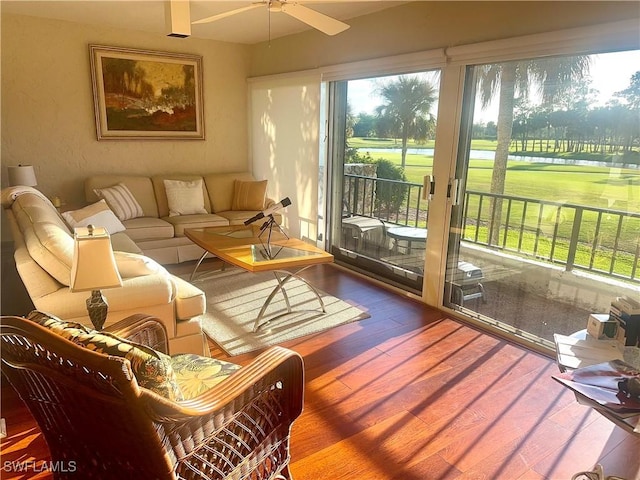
(94, 267)
(22, 175)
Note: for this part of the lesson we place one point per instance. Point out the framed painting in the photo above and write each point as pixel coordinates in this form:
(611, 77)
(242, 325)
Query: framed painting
(141, 94)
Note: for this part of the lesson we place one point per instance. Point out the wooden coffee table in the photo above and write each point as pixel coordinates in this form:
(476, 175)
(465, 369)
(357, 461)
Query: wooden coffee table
(243, 247)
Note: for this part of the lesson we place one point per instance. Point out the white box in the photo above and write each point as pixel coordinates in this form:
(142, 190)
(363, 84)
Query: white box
(600, 326)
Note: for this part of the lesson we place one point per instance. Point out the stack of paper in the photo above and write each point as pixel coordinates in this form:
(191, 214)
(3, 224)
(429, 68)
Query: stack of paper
(575, 353)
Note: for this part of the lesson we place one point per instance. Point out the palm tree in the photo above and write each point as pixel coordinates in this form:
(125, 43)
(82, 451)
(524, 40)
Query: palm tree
(405, 112)
(552, 76)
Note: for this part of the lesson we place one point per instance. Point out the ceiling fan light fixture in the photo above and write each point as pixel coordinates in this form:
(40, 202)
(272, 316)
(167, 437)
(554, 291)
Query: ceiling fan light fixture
(178, 18)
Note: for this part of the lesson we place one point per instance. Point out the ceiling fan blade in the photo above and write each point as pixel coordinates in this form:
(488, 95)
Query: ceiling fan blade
(213, 18)
(317, 20)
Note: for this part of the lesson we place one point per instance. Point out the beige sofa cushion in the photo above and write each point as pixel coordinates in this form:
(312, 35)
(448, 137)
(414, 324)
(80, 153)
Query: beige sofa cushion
(134, 265)
(148, 228)
(220, 188)
(161, 193)
(29, 208)
(121, 242)
(238, 217)
(52, 248)
(195, 221)
(190, 300)
(140, 187)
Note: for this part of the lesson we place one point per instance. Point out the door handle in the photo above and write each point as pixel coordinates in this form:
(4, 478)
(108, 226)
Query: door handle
(454, 189)
(428, 187)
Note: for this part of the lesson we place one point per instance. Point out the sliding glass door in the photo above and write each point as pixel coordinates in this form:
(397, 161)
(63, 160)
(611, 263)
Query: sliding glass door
(547, 227)
(533, 167)
(382, 141)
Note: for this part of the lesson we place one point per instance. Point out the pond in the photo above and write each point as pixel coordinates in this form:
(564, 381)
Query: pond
(489, 155)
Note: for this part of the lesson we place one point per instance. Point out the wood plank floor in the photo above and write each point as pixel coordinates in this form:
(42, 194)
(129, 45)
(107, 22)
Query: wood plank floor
(411, 394)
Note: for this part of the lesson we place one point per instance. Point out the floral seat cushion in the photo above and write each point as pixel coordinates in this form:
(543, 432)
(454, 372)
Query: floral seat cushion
(195, 374)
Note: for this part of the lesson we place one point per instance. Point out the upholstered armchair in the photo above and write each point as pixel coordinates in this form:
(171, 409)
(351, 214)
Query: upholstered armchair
(118, 409)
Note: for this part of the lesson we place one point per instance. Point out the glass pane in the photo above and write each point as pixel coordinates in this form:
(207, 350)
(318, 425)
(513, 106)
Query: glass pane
(380, 206)
(549, 228)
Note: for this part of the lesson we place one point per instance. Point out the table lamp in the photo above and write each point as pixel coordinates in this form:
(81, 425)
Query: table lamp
(22, 175)
(94, 267)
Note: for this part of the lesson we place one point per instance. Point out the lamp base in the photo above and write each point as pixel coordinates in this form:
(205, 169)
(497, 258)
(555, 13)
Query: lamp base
(97, 307)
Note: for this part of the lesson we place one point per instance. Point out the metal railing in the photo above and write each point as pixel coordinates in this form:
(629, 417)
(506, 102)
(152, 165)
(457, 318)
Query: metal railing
(392, 201)
(598, 240)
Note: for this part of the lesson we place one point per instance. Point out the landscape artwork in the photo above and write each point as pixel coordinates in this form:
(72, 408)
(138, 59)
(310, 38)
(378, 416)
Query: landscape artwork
(141, 94)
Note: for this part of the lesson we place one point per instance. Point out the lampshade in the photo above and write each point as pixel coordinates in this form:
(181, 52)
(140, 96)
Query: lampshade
(94, 266)
(22, 175)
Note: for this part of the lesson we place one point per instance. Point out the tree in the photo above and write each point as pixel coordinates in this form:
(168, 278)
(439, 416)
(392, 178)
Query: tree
(552, 76)
(364, 125)
(632, 124)
(632, 93)
(405, 112)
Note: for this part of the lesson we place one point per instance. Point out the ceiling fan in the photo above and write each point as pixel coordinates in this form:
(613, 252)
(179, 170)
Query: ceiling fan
(317, 20)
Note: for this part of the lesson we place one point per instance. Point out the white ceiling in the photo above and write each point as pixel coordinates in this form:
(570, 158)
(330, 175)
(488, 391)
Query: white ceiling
(248, 27)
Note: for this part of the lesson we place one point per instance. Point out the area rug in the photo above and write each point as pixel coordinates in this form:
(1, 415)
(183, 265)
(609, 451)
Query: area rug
(235, 297)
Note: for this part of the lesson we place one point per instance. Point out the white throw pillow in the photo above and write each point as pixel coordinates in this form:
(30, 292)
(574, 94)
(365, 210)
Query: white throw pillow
(184, 198)
(121, 201)
(98, 214)
(133, 265)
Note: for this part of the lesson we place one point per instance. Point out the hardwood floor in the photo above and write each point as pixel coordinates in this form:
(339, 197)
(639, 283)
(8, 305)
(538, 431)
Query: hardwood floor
(411, 394)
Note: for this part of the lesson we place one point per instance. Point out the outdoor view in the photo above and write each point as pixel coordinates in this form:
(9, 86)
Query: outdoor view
(551, 175)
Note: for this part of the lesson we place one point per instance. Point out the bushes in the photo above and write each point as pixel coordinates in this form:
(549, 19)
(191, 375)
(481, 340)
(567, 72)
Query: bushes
(390, 196)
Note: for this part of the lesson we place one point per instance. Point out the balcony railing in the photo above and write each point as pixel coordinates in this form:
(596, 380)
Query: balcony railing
(598, 240)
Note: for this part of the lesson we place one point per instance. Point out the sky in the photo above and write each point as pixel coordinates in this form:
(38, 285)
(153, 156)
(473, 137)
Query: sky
(610, 73)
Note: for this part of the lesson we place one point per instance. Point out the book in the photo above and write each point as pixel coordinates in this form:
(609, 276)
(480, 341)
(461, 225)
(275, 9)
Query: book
(599, 383)
(627, 305)
(626, 311)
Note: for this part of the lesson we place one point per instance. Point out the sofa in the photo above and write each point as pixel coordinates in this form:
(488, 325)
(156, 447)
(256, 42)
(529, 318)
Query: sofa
(43, 240)
(228, 199)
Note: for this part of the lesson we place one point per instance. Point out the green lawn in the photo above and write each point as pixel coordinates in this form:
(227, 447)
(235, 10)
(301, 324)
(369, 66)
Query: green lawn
(589, 186)
(594, 186)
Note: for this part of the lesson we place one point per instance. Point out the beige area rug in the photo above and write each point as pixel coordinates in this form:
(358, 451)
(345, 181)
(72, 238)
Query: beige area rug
(234, 300)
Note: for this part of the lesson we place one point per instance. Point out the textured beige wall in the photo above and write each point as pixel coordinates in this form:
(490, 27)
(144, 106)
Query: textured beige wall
(48, 114)
(420, 26)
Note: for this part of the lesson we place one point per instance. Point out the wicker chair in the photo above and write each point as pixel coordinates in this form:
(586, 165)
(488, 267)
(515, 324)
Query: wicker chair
(93, 413)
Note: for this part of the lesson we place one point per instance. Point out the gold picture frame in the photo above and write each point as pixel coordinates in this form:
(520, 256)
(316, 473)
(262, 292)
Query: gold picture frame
(146, 95)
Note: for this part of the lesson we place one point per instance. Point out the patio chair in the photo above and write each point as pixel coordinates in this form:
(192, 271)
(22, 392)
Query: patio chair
(93, 410)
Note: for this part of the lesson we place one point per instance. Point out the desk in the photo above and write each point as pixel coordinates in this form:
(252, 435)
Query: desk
(578, 350)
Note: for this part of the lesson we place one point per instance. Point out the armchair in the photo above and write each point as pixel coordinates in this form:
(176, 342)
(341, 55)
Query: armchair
(93, 412)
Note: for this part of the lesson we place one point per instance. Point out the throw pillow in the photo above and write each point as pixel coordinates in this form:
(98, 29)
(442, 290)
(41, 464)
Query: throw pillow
(152, 369)
(184, 198)
(121, 201)
(249, 195)
(98, 214)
